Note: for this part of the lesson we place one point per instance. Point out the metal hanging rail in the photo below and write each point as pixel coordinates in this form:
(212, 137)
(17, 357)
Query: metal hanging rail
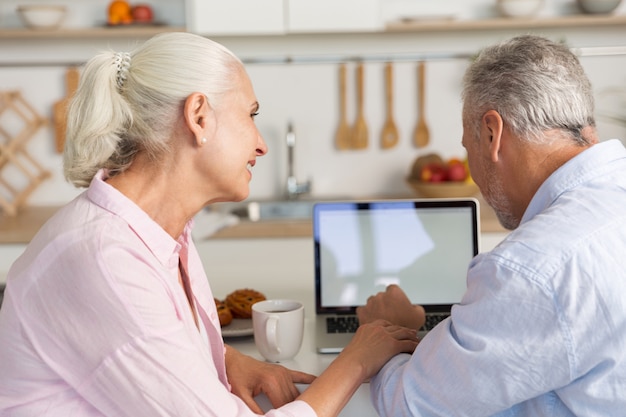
(412, 57)
(593, 51)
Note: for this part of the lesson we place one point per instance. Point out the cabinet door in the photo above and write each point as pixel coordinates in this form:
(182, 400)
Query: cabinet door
(333, 16)
(235, 17)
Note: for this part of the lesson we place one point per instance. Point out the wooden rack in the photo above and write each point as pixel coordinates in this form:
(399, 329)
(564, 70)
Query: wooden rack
(18, 124)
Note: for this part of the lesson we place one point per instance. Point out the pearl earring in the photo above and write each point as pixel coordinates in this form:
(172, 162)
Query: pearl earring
(203, 141)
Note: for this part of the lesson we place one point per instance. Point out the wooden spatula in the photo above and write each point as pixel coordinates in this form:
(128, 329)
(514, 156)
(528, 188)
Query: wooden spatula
(60, 107)
(342, 136)
(389, 136)
(359, 131)
(421, 135)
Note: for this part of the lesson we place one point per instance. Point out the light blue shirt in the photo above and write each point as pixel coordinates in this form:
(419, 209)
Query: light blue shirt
(541, 330)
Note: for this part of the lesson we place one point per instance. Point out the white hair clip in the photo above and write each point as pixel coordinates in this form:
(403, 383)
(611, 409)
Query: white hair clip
(122, 63)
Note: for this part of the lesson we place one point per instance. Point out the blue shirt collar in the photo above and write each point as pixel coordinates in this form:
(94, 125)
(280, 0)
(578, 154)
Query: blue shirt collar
(585, 166)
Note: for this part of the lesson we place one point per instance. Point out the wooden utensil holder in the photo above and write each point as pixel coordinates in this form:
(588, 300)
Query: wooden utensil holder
(18, 124)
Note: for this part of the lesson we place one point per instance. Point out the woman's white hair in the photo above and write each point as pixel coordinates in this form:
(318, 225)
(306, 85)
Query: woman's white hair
(131, 102)
(535, 84)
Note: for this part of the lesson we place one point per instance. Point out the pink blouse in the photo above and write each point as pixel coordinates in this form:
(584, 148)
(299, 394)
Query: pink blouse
(95, 322)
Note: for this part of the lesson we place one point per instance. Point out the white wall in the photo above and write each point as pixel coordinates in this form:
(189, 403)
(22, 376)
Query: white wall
(307, 95)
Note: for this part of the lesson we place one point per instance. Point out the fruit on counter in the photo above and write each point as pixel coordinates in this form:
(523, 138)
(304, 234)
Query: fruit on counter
(432, 168)
(120, 13)
(456, 170)
(433, 172)
(142, 13)
(422, 161)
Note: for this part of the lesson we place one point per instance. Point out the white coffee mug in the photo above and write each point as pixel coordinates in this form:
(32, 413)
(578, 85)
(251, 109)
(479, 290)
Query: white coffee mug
(278, 328)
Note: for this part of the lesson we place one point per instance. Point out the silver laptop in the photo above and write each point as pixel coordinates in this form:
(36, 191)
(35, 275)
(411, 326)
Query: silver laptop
(424, 246)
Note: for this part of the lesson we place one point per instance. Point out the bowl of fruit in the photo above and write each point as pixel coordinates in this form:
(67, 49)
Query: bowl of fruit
(433, 177)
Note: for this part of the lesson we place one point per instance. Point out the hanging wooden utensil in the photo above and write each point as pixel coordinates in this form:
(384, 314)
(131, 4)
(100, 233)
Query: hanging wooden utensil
(60, 108)
(389, 136)
(342, 136)
(421, 135)
(359, 131)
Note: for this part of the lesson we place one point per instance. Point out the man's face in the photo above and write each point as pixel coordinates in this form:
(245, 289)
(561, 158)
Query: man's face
(484, 173)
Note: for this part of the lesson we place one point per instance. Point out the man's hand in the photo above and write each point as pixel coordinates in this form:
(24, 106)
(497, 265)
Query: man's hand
(249, 377)
(394, 306)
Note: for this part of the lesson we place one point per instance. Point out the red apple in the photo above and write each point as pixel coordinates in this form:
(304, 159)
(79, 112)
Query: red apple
(439, 174)
(142, 13)
(433, 172)
(457, 172)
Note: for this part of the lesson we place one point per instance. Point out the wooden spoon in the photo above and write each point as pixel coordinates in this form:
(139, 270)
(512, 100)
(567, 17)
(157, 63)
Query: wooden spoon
(359, 131)
(342, 137)
(60, 108)
(421, 135)
(389, 137)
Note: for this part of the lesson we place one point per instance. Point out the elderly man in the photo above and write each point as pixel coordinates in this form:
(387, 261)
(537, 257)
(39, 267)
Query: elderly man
(541, 330)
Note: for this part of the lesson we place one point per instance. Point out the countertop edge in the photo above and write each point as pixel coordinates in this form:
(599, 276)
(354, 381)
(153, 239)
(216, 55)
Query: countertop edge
(20, 229)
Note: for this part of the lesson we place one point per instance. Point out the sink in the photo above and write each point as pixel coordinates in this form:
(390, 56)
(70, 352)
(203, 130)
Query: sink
(273, 210)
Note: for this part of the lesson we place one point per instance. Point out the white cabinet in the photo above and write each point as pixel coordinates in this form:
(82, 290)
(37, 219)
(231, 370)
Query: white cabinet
(307, 16)
(267, 17)
(235, 17)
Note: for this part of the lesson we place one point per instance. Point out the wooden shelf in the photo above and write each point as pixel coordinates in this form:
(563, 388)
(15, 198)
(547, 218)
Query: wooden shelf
(406, 25)
(450, 25)
(143, 31)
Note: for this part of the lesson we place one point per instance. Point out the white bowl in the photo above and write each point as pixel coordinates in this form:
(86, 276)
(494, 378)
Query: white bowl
(42, 16)
(519, 8)
(598, 6)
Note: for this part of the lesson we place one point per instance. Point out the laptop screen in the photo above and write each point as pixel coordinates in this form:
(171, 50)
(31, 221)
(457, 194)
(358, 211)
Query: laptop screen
(424, 246)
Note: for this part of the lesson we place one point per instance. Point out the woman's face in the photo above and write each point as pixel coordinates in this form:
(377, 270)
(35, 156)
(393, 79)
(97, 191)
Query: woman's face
(233, 143)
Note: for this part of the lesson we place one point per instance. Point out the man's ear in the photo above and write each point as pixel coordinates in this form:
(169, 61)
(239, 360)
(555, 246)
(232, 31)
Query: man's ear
(197, 111)
(492, 128)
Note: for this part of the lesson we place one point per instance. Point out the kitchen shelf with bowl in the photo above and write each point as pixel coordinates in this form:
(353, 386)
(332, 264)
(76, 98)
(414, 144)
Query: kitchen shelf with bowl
(104, 32)
(404, 25)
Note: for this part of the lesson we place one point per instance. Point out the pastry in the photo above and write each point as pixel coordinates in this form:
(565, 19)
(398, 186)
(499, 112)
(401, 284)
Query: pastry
(240, 302)
(223, 313)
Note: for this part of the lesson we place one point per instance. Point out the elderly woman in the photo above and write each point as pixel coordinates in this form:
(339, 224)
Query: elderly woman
(109, 312)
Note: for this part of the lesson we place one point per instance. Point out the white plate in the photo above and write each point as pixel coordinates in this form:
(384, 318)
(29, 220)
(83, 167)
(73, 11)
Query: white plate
(238, 328)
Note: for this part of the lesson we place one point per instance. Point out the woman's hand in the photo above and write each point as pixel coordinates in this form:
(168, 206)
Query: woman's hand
(249, 377)
(375, 343)
(371, 347)
(394, 306)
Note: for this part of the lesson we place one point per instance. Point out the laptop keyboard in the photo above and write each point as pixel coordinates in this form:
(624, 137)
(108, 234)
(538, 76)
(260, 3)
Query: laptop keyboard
(433, 319)
(342, 324)
(349, 324)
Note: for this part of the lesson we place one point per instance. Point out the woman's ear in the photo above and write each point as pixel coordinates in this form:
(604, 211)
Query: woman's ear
(197, 111)
(491, 133)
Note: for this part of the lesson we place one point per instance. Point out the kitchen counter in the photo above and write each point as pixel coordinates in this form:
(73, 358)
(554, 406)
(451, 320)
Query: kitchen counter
(302, 228)
(22, 228)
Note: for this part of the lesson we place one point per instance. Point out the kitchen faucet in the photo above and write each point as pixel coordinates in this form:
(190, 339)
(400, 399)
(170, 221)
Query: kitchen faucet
(294, 189)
